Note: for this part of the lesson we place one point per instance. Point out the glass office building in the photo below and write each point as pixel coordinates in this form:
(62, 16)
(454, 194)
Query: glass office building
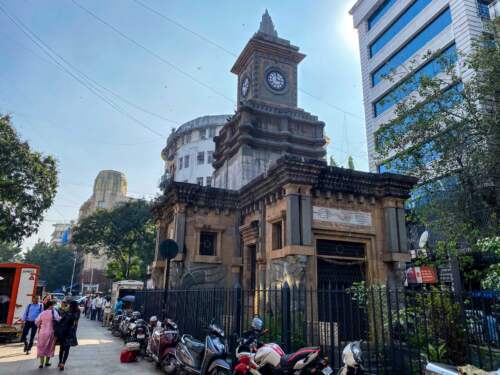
(396, 34)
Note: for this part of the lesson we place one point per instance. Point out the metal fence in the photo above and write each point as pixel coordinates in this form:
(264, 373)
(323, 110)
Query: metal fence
(401, 329)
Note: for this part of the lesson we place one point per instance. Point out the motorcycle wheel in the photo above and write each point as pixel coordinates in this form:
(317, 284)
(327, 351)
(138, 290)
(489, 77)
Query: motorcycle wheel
(168, 365)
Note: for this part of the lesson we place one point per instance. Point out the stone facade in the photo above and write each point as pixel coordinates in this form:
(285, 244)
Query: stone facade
(110, 189)
(277, 212)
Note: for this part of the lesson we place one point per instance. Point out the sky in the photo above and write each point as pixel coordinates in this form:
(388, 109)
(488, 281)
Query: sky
(100, 84)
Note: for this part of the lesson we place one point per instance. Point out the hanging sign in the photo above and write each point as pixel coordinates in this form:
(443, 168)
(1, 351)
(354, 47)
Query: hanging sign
(421, 275)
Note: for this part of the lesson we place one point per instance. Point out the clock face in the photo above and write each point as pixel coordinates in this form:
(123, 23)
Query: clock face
(276, 80)
(245, 86)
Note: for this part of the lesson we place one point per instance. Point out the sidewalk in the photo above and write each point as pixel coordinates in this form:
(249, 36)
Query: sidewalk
(98, 353)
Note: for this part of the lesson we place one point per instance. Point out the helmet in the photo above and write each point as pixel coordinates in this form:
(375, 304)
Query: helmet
(352, 355)
(136, 314)
(169, 323)
(257, 323)
(153, 319)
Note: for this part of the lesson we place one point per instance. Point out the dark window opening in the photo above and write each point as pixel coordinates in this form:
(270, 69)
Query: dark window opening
(207, 243)
(277, 232)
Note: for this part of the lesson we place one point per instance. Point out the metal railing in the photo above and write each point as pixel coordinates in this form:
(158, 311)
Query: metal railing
(401, 329)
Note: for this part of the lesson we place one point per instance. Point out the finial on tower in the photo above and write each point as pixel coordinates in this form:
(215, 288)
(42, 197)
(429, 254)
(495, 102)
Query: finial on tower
(267, 26)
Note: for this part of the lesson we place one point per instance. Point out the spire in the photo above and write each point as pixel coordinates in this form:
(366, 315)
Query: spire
(267, 26)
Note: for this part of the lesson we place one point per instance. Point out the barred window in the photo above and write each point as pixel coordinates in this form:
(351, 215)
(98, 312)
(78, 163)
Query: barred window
(209, 181)
(186, 161)
(199, 181)
(210, 157)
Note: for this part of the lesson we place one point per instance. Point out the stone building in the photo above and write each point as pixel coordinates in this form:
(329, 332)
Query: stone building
(277, 212)
(110, 189)
(188, 154)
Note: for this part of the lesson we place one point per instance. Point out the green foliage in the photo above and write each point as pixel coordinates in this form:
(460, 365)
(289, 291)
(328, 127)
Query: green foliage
(56, 263)
(460, 185)
(332, 162)
(350, 162)
(435, 353)
(28, 182)
(491, 277)
(126, 235)
(10, 252)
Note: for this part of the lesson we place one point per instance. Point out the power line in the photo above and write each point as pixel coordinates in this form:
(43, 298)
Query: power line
(231, 53)
(114, 93)
(50, 54)
(180, 25)
(152, 53)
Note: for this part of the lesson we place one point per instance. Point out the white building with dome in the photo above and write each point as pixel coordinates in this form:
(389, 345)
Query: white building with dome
(188, 154)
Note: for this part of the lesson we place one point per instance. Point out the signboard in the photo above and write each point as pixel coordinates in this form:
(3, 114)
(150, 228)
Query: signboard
(336, 215)
(168, 249)
(421, 275)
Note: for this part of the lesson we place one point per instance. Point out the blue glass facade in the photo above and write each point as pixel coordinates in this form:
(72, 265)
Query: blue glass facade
(379, 13)
(430, 69)
(403, 20)
(400, 164)
(411, 47)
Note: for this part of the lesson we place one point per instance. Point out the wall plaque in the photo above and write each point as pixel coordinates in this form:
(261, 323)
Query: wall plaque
(336, 215)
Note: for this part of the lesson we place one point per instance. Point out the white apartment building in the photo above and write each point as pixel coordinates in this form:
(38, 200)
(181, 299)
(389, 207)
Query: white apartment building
(189, 150)
(393, 33)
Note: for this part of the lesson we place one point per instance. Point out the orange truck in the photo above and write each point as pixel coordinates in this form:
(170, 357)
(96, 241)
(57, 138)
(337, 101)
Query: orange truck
(18, 285)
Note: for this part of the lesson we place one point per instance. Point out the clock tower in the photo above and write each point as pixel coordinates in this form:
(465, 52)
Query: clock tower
(267, 124)
(267, 67)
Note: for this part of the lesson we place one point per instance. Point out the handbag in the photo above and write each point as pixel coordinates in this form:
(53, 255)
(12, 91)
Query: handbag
(58, 327)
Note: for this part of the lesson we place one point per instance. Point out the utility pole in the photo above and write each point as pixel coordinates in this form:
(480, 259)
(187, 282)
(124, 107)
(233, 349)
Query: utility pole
(72, 274)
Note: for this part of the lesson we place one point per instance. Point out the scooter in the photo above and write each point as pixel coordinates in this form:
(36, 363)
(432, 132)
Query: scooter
(195, 358)
(161, 345)
(269, 359)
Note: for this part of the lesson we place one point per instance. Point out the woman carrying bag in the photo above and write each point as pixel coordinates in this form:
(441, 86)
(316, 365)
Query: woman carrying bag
(66, 335)
(46, 342)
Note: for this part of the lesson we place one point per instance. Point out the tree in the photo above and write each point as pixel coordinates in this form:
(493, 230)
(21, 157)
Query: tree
(28, 182)
(56, 263)
(126, 235)
(10, 252)
(350, 162)
(332, 162)
(446, 132)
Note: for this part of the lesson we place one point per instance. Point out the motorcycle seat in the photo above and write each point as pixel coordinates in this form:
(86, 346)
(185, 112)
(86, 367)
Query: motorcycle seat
(289, 360)
(193, 344)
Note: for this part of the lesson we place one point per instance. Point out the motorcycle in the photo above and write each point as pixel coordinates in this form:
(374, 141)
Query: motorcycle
(269, 359)
(138, 332)
(197, 358)
(115, 325)
(128, 324)
(352, 357)
(161, 345)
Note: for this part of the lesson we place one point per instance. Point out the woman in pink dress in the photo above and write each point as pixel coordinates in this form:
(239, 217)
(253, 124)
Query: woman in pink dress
(46, 338)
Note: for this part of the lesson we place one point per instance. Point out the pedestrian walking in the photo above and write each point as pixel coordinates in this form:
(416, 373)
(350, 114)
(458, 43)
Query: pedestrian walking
(98, 306)
(33, 310)
(93, 310)
(46, 337)
(107, 312)
(88, 302)
(67, 336)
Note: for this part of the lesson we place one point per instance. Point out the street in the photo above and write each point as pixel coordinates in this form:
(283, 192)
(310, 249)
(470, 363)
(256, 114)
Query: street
(98, 353)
